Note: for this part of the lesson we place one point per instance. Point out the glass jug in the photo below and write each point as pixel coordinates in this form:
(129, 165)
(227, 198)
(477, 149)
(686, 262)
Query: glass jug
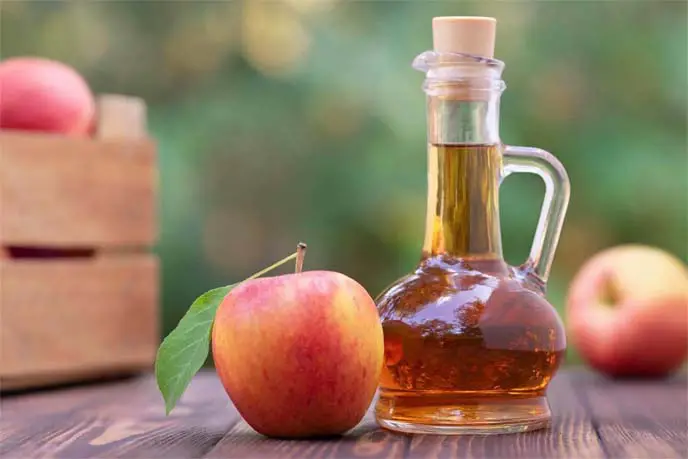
(470, 342)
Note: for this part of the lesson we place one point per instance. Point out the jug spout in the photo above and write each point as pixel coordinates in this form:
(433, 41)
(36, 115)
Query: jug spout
(463, 88)
(462, 54)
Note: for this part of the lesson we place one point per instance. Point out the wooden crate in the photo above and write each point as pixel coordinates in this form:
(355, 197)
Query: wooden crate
(78, 286)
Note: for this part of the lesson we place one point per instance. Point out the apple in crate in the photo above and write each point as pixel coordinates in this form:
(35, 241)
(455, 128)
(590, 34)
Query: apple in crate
(44, 95)
(627, 311)
(300, 354)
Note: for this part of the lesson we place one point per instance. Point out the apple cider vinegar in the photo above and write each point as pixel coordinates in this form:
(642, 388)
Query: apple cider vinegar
(471, 344)
(462, 199)
(462, 339)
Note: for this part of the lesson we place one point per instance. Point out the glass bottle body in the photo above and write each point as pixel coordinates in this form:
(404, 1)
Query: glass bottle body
(470, 342)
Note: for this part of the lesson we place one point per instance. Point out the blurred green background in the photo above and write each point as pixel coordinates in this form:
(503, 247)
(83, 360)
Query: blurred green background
(303, 120)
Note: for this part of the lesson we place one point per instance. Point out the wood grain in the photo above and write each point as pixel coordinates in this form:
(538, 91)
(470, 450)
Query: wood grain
(640, 419)
(567, 438)
(571, 435)
(365, 440)
(593, 417)
(66, 319)
(125, 419)
(72, 192)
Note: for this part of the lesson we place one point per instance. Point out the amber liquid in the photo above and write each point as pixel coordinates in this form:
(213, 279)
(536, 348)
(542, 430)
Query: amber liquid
(468, 344)
(463, 209)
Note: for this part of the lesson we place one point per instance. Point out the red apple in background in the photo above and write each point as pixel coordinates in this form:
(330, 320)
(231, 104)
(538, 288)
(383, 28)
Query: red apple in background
(44, 95)
(300, 355)
(627, 311)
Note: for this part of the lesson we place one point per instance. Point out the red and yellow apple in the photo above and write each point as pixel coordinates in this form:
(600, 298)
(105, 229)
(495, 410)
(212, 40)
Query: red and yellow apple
(299, 355)
(44, 95)
(627, 311)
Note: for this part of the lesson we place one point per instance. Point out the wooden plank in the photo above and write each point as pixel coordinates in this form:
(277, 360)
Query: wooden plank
(125, 419)
(645, 439)
(70, 192)
(365, 440)
(567, 438)
(68, 319)
(640, 419)
(611, 400)
(571, 435)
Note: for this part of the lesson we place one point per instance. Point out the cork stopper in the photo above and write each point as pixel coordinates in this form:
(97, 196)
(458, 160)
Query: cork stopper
(464, 34)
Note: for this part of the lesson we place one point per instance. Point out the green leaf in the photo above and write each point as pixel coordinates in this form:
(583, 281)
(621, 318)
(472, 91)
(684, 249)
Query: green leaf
(184, 351)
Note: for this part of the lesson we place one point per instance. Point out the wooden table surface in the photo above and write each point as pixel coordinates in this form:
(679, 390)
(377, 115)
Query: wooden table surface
(593, 417)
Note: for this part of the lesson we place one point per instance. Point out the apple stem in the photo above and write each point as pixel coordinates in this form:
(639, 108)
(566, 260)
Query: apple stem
(300, 255)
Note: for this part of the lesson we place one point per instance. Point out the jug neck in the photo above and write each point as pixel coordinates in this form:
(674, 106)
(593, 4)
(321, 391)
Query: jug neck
(464, 156)
(462, 122)
(462, 219)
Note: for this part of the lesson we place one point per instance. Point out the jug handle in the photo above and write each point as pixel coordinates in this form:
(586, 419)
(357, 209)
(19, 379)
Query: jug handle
(553, 211)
